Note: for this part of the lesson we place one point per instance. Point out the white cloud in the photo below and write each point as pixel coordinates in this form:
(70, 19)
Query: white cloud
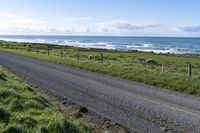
(188, 28)
(79, 18)
(126, 26)
(19, 20)
(29, 21)
(12, 24)
(13, 29)
(24, 25)
(15, 24)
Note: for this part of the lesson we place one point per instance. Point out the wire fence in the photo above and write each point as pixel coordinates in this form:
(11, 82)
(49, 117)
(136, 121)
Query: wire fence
(186, 70)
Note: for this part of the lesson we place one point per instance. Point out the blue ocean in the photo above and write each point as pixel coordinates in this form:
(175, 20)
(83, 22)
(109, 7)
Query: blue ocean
(149, 44)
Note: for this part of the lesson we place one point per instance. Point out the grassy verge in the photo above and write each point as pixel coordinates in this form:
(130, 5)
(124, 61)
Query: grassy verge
(24, 110)
(167, 71)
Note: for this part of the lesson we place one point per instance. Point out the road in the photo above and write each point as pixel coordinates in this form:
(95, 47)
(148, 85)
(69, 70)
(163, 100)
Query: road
(139, 107)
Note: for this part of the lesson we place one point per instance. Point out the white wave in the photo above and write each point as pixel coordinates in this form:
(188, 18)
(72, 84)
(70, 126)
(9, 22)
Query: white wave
(40, 40)
(30, 40)
(139, 46)
(170, 50)
(98, 45)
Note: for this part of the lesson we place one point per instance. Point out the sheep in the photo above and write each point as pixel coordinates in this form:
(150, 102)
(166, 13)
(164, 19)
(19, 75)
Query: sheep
(151, 61)
(141, 59)
(90, 57)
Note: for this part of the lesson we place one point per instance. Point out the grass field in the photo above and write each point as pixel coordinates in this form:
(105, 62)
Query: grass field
(166, 70)
(24, 110)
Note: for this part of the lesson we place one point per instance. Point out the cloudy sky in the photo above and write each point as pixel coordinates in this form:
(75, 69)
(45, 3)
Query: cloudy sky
(101, 17)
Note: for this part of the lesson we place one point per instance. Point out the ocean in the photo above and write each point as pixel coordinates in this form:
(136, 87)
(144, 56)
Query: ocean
(173, 45)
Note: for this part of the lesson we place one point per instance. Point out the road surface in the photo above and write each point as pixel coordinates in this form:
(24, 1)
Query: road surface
(139, 107)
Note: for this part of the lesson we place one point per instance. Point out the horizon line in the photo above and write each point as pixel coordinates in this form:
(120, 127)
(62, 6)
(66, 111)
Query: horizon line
(100, 36)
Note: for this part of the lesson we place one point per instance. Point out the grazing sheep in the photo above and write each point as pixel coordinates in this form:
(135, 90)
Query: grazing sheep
(151, 61)
(141, 59)
(90, 57)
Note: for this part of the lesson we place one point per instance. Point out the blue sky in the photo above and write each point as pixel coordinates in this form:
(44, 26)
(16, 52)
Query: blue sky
(101, 17)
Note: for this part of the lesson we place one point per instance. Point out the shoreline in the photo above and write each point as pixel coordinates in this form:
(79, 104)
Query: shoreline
(158, 45)
(101, 50)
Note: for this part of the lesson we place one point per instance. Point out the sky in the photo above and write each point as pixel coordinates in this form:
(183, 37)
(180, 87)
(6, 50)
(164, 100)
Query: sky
(101, 17)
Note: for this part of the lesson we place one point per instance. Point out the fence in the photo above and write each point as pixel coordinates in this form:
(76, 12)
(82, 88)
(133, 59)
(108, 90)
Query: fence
(60, 52)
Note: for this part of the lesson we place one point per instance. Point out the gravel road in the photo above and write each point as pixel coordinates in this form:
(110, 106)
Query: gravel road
(139, 107)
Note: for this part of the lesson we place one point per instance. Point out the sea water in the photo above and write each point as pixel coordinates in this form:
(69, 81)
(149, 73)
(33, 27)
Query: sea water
(176, 45)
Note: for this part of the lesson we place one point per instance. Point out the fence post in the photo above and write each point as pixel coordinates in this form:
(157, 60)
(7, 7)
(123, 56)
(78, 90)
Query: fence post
(78, 56)
(101, 57)
(162, 68)
(48, 51)
(61, 53)
(37, 51)
(190, 70)
(147, 65)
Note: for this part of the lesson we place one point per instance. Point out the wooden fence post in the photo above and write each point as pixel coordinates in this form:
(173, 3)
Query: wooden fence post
(190, 70)
(162, 68)
(61, 53)
(37, 51)
(78, 56)
(48, 51)
(101, 57)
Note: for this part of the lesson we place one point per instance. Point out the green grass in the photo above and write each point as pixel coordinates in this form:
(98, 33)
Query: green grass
(121, 64)
(24, 110)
